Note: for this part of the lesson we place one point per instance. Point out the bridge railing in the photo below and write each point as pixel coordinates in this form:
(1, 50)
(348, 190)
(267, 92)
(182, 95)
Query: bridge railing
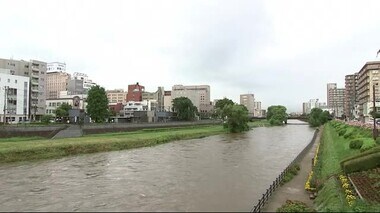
(270, 190)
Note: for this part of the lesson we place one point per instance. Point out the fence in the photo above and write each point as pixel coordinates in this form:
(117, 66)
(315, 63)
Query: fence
(276, 183)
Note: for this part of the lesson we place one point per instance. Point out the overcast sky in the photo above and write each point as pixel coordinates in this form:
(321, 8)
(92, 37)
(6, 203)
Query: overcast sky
(284, 52)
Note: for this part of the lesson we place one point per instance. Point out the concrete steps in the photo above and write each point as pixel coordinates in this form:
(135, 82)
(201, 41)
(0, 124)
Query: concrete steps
(71, 132)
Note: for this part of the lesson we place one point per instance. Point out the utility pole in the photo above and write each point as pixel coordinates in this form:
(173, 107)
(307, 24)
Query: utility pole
(374, 111)
(5, 103)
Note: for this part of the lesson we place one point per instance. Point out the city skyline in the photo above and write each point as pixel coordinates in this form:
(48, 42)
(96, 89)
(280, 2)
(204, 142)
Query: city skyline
(284, 52)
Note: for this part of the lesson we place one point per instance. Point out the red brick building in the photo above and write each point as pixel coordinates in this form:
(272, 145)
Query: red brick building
(135, 92)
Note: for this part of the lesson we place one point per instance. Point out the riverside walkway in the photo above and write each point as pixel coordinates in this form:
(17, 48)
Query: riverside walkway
(295, 189)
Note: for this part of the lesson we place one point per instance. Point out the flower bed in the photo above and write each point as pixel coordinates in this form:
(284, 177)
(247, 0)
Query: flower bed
(368, 184)
(348, 191)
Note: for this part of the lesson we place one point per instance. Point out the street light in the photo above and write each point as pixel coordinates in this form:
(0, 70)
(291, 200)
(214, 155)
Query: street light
(374, 111)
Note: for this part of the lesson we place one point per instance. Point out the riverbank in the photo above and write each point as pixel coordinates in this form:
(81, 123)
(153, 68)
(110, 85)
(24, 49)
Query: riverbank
(13, 150)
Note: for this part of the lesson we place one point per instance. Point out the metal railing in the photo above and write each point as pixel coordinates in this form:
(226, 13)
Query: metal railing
(264, 199)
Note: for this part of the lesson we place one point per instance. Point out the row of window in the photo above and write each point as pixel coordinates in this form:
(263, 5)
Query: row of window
(53, 104)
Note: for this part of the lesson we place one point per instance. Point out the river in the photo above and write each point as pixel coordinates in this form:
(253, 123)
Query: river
(218, 173)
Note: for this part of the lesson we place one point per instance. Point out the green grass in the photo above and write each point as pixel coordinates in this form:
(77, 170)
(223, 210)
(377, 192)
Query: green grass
(259, 123)
(48, 148)
(333, 150)
(20, 139)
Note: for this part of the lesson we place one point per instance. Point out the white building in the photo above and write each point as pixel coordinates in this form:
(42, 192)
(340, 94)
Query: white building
(257, 109)
(248, 100)
(56, 67)
(14, 96)
(64, 97)
(198, 94)
(132, 106)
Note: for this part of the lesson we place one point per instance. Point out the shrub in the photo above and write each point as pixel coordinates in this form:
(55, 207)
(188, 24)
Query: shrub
(378, 140)
(342, 131)
(348, 135)
(365, 148)
(356, 144)
(362, 163)
(294, 206)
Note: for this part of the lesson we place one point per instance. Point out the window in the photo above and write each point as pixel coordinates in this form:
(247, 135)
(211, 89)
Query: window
(15, 81)
(9, 80)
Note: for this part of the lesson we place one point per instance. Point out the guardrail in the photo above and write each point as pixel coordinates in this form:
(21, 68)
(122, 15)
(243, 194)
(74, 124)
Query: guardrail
(264, 199)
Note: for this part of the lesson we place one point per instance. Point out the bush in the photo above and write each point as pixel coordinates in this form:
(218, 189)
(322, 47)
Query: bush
(45, 119)
(294, 206)
(362, 163)
(356, 144)
(348, 135)
(378, 140)
(365, 148)
(342, 131)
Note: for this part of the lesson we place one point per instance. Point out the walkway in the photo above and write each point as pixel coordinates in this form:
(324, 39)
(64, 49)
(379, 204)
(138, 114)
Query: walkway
(70, 132)
(294, 189)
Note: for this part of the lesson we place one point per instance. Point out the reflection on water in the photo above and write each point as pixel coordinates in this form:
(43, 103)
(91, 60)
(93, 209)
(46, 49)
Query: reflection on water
(217, 173)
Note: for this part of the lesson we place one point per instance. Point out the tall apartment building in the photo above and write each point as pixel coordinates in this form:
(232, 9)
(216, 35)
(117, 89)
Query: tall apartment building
(36, 71)
(350, 95)
(308, 106)
(368, 78)
(135, 92)
(248, 100)
(15, 91)
(335, 99)
(116, 96)
(198, 94)
(56, 79)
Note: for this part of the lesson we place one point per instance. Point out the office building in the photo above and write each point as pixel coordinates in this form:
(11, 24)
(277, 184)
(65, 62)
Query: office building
(135, 92)
(198, 94)
(335, 99)
(116, 96)
(248, 100)
(14, 96)
(36, 71)
(56, 81)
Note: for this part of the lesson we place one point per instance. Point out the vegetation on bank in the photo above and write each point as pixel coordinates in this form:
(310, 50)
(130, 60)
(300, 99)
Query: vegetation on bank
(294, 206)
(293, 171)
(318, 117)
(234, 116)
(276, 115)
(328, 177)
(12, 150)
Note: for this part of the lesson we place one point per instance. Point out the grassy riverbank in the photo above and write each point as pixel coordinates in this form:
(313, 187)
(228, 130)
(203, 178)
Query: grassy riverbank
(20, 149)
(333, 149)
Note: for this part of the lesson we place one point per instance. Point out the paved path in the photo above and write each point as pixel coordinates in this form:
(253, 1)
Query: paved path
(70, 132)
(294, 189)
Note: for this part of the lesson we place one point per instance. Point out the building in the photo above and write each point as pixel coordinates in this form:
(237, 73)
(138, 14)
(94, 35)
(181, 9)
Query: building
(350, 95)
(135, 92)
(79, 84)
(157, 96)
(308, 106)
(65, 97)
(168, 101)
(36, 71)
(248, 100)
(335, 99)
(56, 81)
(116, 96)
(257, 109)
(198, 94)
(15, 92)
(56, 67)
(368, 84)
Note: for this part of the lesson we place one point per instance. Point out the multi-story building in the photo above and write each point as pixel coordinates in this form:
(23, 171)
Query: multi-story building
(56, 67)
(308, 106)
(198, 94)
(65, 97)
(368, 84)
(158, 96)
(335, 99)
(79, 84)
(248, 100)
(167, 101)
(36, 71)
(15, 92)
(56, 81)
(135, 92)
(116, 96)
(257, 109)
(350, 95)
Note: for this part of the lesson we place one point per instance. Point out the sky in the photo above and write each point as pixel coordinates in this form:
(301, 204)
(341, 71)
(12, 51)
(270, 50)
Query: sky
(282, 51)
